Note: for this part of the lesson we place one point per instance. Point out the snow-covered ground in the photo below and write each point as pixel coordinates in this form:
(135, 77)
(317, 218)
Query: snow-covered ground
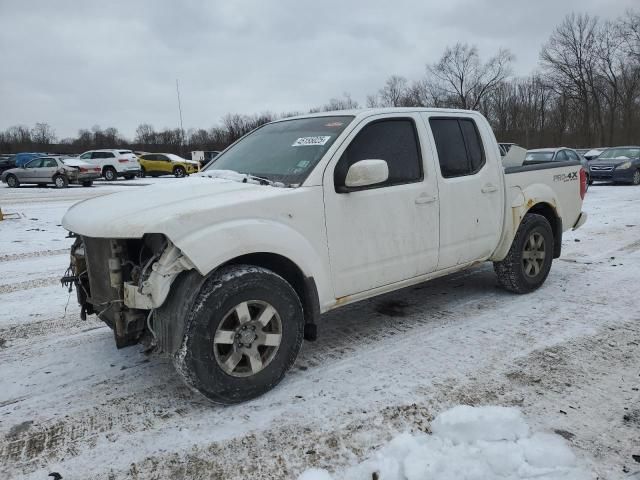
(567, 357)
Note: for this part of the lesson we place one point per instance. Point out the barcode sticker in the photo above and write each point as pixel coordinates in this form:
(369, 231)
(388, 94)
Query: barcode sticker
(311, 141)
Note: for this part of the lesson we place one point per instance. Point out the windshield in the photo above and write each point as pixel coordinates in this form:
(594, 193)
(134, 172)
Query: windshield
(284, 151)
(620, 153)
(538, 156)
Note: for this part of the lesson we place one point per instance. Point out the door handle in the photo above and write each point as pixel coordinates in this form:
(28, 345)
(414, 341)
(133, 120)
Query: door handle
(489, 188)
(424, 199)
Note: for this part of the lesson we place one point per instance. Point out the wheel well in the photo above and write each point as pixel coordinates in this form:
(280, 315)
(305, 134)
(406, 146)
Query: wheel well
(304, 286)
(548, 212)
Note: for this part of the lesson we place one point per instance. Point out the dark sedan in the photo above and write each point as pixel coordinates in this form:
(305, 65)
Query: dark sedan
(618, 165)
(7, 162)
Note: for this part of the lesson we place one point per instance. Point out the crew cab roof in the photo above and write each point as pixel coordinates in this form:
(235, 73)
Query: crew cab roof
(367, 112)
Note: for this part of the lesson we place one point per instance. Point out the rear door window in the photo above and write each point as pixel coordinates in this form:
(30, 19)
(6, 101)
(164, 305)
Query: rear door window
(459, 146)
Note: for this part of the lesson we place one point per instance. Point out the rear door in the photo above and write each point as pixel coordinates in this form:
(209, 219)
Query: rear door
(470, 186)
(163, 163)
(388, 232)
(48, 169)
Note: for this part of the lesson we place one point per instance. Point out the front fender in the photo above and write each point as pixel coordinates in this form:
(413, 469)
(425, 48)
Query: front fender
(210, 247)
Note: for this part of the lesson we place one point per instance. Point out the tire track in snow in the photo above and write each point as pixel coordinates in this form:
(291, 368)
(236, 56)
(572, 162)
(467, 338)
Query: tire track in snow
(42, 253)
(29, 284)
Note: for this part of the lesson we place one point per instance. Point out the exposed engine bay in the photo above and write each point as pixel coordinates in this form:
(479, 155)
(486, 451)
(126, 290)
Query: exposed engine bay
(123, 280)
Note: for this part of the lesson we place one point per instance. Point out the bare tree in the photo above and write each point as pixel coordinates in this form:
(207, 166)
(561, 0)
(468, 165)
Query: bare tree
(464, 79)
(145, 134)
(394, 92)
(344, 103)
(43, 134)
(570, 59)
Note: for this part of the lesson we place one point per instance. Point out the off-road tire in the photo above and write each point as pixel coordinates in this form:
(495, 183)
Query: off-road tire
(511, 271)
(60, 181)
(226, 288)
(179, 172)
(88, 183)
(110, 174)
(12, 181)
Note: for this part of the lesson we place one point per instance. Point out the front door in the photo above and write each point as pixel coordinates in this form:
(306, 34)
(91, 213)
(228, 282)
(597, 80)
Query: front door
(384, 233)
(31, 172)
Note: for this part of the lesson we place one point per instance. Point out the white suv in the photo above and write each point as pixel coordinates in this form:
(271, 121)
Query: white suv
(114, 163)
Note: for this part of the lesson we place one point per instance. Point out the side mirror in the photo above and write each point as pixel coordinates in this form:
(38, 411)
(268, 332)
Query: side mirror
(365, 173)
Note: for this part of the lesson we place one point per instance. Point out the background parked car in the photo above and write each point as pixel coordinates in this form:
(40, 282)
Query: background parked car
(7, 162)
(203, 157)
(155, 164)
(593, 153)
(113, 163)
(560, 154)
(618, 165)
(25, 157)
(60, 171)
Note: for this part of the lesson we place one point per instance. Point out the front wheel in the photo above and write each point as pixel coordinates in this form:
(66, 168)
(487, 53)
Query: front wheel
(13, 181)
(60, 181)
(636, 178)
(243, 332)
(528, 262)
(142, 173)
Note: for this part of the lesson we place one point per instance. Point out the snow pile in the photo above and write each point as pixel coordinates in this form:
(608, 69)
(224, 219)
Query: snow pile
(469, 443)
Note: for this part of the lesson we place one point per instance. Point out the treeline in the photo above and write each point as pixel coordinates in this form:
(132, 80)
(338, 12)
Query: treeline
(585, 92)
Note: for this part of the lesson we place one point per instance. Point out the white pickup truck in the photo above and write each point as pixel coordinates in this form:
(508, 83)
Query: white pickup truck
(229, 271)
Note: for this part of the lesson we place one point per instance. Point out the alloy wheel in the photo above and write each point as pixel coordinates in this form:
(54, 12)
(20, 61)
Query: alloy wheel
(533, 254)
(247, 339)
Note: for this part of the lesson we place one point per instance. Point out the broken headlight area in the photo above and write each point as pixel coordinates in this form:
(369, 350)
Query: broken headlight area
(103, 271)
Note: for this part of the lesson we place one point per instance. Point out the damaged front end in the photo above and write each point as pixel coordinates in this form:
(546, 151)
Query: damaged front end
(123, 280)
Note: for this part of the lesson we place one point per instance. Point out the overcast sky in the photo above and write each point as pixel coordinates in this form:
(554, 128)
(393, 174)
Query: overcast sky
(115, 63)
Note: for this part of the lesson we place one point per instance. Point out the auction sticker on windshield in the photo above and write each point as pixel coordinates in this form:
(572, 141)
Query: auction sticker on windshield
(311, 141)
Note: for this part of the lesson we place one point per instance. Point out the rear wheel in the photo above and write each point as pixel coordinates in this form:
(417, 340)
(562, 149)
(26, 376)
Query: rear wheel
(528, 262)
(243, 332)
(60, 181)
(13, 181)
(110, 173)
(179, 172)
(88, 183)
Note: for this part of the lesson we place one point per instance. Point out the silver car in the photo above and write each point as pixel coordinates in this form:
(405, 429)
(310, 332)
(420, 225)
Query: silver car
(560, 154)
(60, 171)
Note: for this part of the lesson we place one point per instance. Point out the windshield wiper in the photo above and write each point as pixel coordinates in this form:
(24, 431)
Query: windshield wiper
(242, 177)
(263, 181)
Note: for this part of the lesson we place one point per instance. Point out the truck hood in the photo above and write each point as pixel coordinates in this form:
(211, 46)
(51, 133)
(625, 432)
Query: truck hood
(163, 208)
